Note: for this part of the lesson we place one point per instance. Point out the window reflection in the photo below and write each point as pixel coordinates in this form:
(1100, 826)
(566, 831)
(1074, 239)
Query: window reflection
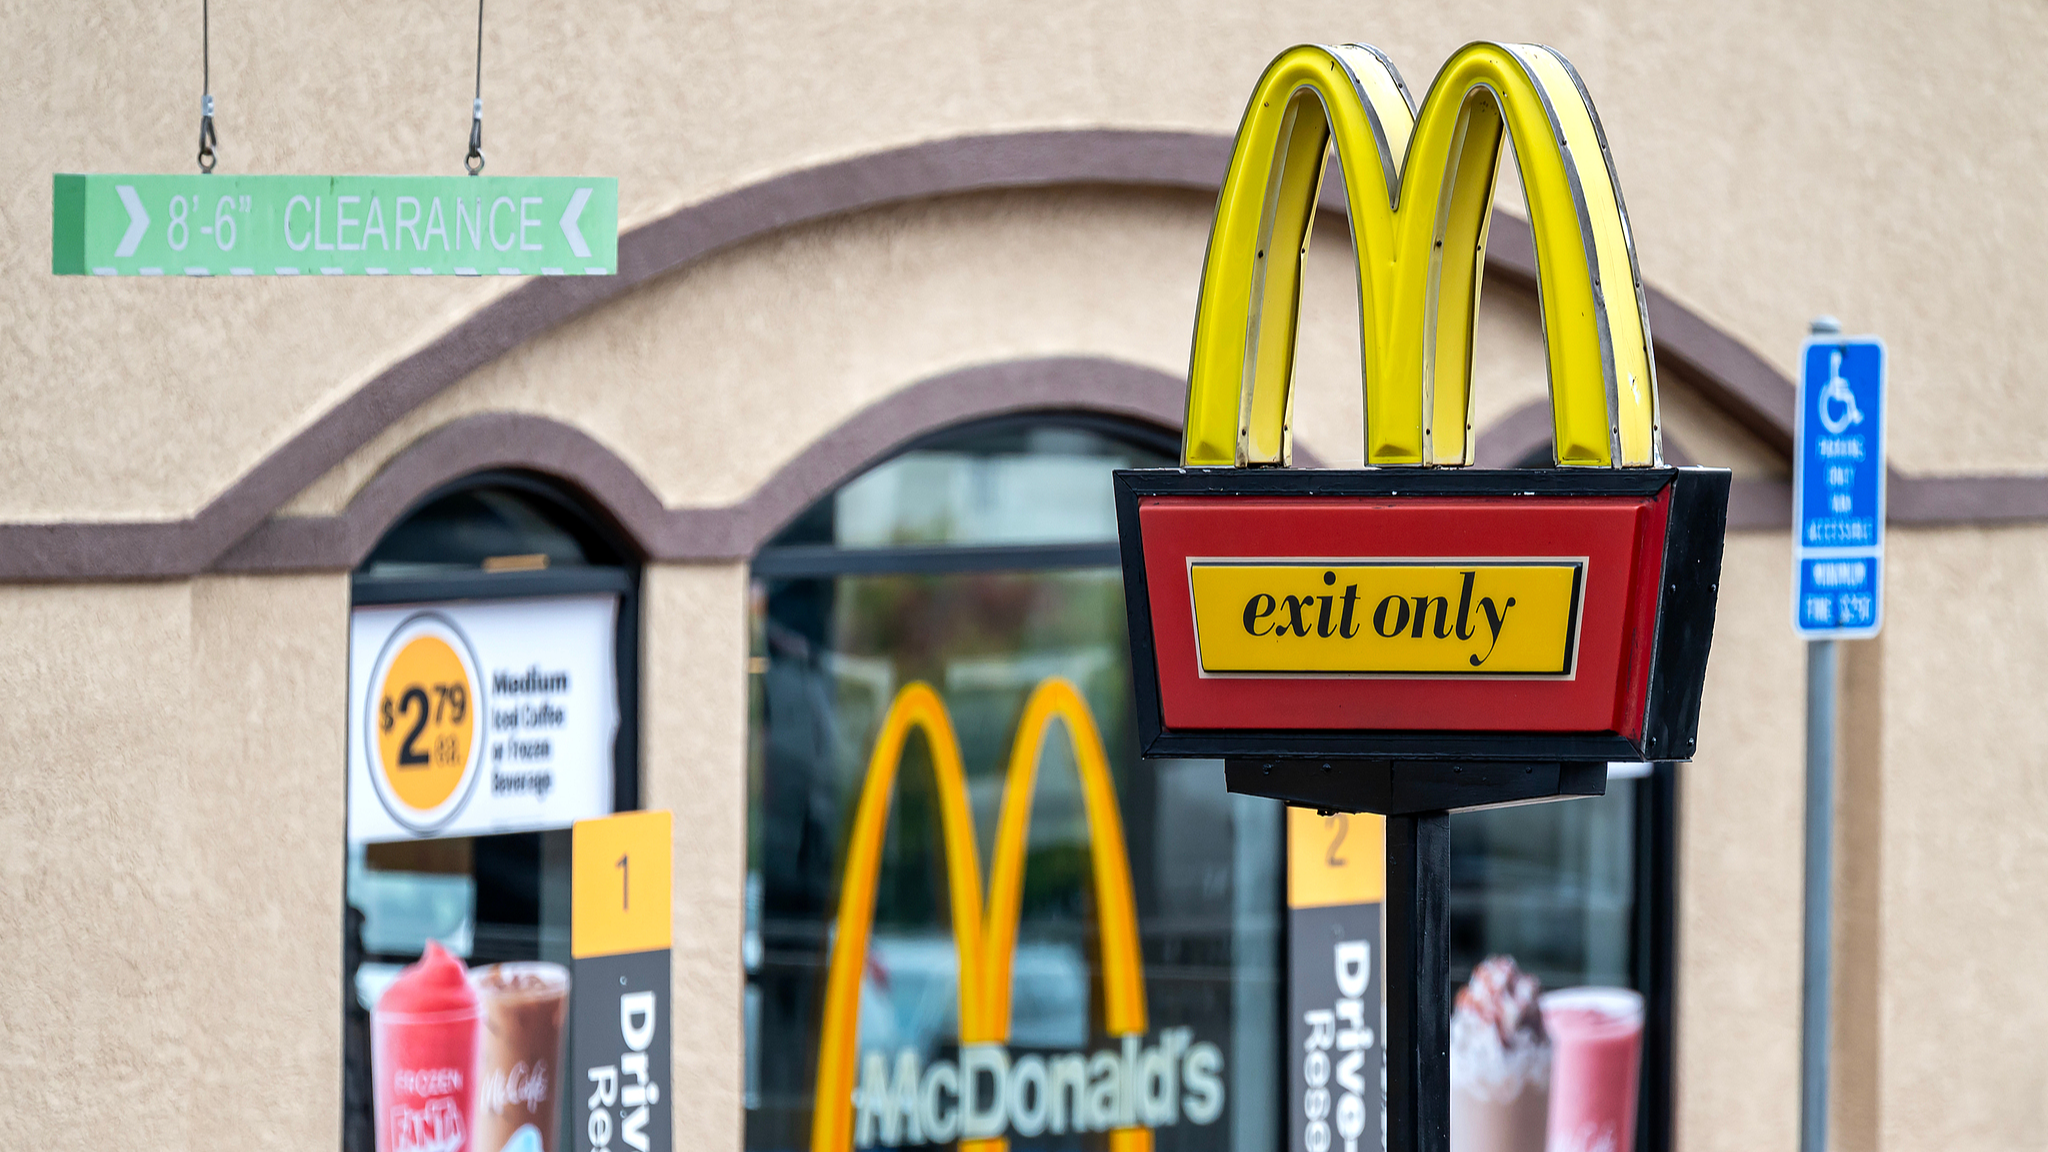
(1552, 885)
(833, 646)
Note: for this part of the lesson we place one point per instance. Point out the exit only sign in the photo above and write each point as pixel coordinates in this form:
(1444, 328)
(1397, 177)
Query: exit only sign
(195, 225)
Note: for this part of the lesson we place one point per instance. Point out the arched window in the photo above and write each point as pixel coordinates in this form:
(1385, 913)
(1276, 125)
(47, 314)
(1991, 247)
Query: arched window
(982, 562)
(491, 524)
(492, 702)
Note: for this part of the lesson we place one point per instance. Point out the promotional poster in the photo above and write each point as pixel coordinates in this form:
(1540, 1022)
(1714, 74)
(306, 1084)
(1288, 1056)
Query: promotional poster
(473, 718)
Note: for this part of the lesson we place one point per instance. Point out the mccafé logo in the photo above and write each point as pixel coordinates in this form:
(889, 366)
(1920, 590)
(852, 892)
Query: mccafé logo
(1124, 1091)
(1392, 617)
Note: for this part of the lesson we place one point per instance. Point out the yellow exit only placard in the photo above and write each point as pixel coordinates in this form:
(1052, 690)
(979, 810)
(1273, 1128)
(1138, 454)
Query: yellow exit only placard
(619, 883)
(1443, 619)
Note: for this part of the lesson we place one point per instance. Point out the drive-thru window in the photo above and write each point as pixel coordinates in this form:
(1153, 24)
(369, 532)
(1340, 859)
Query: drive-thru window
(492, 703)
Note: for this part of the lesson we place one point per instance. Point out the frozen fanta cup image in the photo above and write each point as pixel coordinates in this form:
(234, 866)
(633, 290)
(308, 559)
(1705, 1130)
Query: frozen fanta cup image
(423, 1053)
(1596, 1037)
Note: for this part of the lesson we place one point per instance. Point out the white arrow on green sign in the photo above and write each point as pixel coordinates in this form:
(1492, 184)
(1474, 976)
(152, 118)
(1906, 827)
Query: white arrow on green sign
(196, 225)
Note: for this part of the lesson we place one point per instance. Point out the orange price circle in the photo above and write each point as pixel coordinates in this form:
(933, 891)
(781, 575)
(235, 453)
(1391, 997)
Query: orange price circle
(424, 722)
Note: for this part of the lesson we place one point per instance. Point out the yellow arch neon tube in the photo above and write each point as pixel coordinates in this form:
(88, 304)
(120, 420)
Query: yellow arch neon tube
(1419, 189)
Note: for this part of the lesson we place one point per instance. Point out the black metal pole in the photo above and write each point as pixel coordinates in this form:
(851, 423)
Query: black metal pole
(1418, 911)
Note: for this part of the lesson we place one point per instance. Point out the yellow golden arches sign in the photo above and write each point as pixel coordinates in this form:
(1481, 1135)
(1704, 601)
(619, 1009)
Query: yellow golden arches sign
(1419, 186)
(986, 947)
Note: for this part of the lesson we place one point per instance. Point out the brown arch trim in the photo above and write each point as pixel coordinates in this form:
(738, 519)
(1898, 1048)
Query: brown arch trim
(1519, 434)
(1752, 504)
(735, 532)
(1752, 391)
(1522, 432)
(453, 450)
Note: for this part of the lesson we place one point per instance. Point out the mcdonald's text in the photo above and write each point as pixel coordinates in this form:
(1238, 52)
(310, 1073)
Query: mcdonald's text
(990, 1092)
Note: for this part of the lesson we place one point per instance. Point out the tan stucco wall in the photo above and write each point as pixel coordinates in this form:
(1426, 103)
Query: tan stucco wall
(1942, 827)
(1740, 807)
(1965, 843)
(1777, 162)
(170, 864)
(708, 380)
(694, 763)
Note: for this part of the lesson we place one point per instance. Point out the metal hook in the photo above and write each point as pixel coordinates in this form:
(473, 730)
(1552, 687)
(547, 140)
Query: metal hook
(474, 162)
(207, 140)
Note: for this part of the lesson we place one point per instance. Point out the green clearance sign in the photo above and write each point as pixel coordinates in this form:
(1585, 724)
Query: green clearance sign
(195, 225)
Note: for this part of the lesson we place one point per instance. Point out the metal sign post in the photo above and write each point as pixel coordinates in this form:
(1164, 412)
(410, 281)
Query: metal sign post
(1419, 982)
(1838, 486)
(1416, 637)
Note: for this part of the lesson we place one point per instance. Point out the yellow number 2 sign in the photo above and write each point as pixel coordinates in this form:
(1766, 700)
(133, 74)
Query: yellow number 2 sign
(619, 877)
(1336, 859)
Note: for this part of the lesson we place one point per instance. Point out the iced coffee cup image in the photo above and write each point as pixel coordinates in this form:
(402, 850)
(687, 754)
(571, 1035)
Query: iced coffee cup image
(423, 1057)
(1500, 1062)
(1596, 1037)
(525, 1006)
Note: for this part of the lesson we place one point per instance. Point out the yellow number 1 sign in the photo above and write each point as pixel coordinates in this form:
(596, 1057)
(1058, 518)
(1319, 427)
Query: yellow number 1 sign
(620, 1004)
(620, 880)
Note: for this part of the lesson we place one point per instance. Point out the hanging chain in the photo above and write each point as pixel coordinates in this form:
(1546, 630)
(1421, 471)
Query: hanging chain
(206, 136)
(474, 162)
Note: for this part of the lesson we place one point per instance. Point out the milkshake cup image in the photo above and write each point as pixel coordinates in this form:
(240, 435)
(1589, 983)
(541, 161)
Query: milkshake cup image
(423, 1049)
(1597, 1039)
(1500, 1062)
(525, 1005)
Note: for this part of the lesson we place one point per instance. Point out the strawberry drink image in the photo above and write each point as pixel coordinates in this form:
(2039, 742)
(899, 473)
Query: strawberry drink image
(1598, 1038)
(423, 1053)
(1500, 1062)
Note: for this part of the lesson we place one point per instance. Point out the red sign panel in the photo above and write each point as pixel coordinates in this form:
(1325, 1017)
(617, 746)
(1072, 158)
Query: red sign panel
(1619, 539)
(1289, 613)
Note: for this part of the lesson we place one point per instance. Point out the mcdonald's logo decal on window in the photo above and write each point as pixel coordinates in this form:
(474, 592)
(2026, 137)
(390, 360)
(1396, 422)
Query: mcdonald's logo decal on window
(1286, 614)
(1124, 1090)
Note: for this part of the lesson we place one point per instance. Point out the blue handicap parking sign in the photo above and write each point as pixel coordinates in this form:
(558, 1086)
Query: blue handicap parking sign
(1838, 595)
(1838, 489)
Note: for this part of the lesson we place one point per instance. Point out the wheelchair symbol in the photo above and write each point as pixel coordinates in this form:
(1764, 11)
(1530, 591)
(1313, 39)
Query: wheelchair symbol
(1837, 401)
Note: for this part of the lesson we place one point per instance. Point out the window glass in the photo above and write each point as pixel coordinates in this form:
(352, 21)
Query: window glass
(1578, 894)
(835, 649)
(520, 579)
(1003, 483)
(487, 527)
(1553, 885)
